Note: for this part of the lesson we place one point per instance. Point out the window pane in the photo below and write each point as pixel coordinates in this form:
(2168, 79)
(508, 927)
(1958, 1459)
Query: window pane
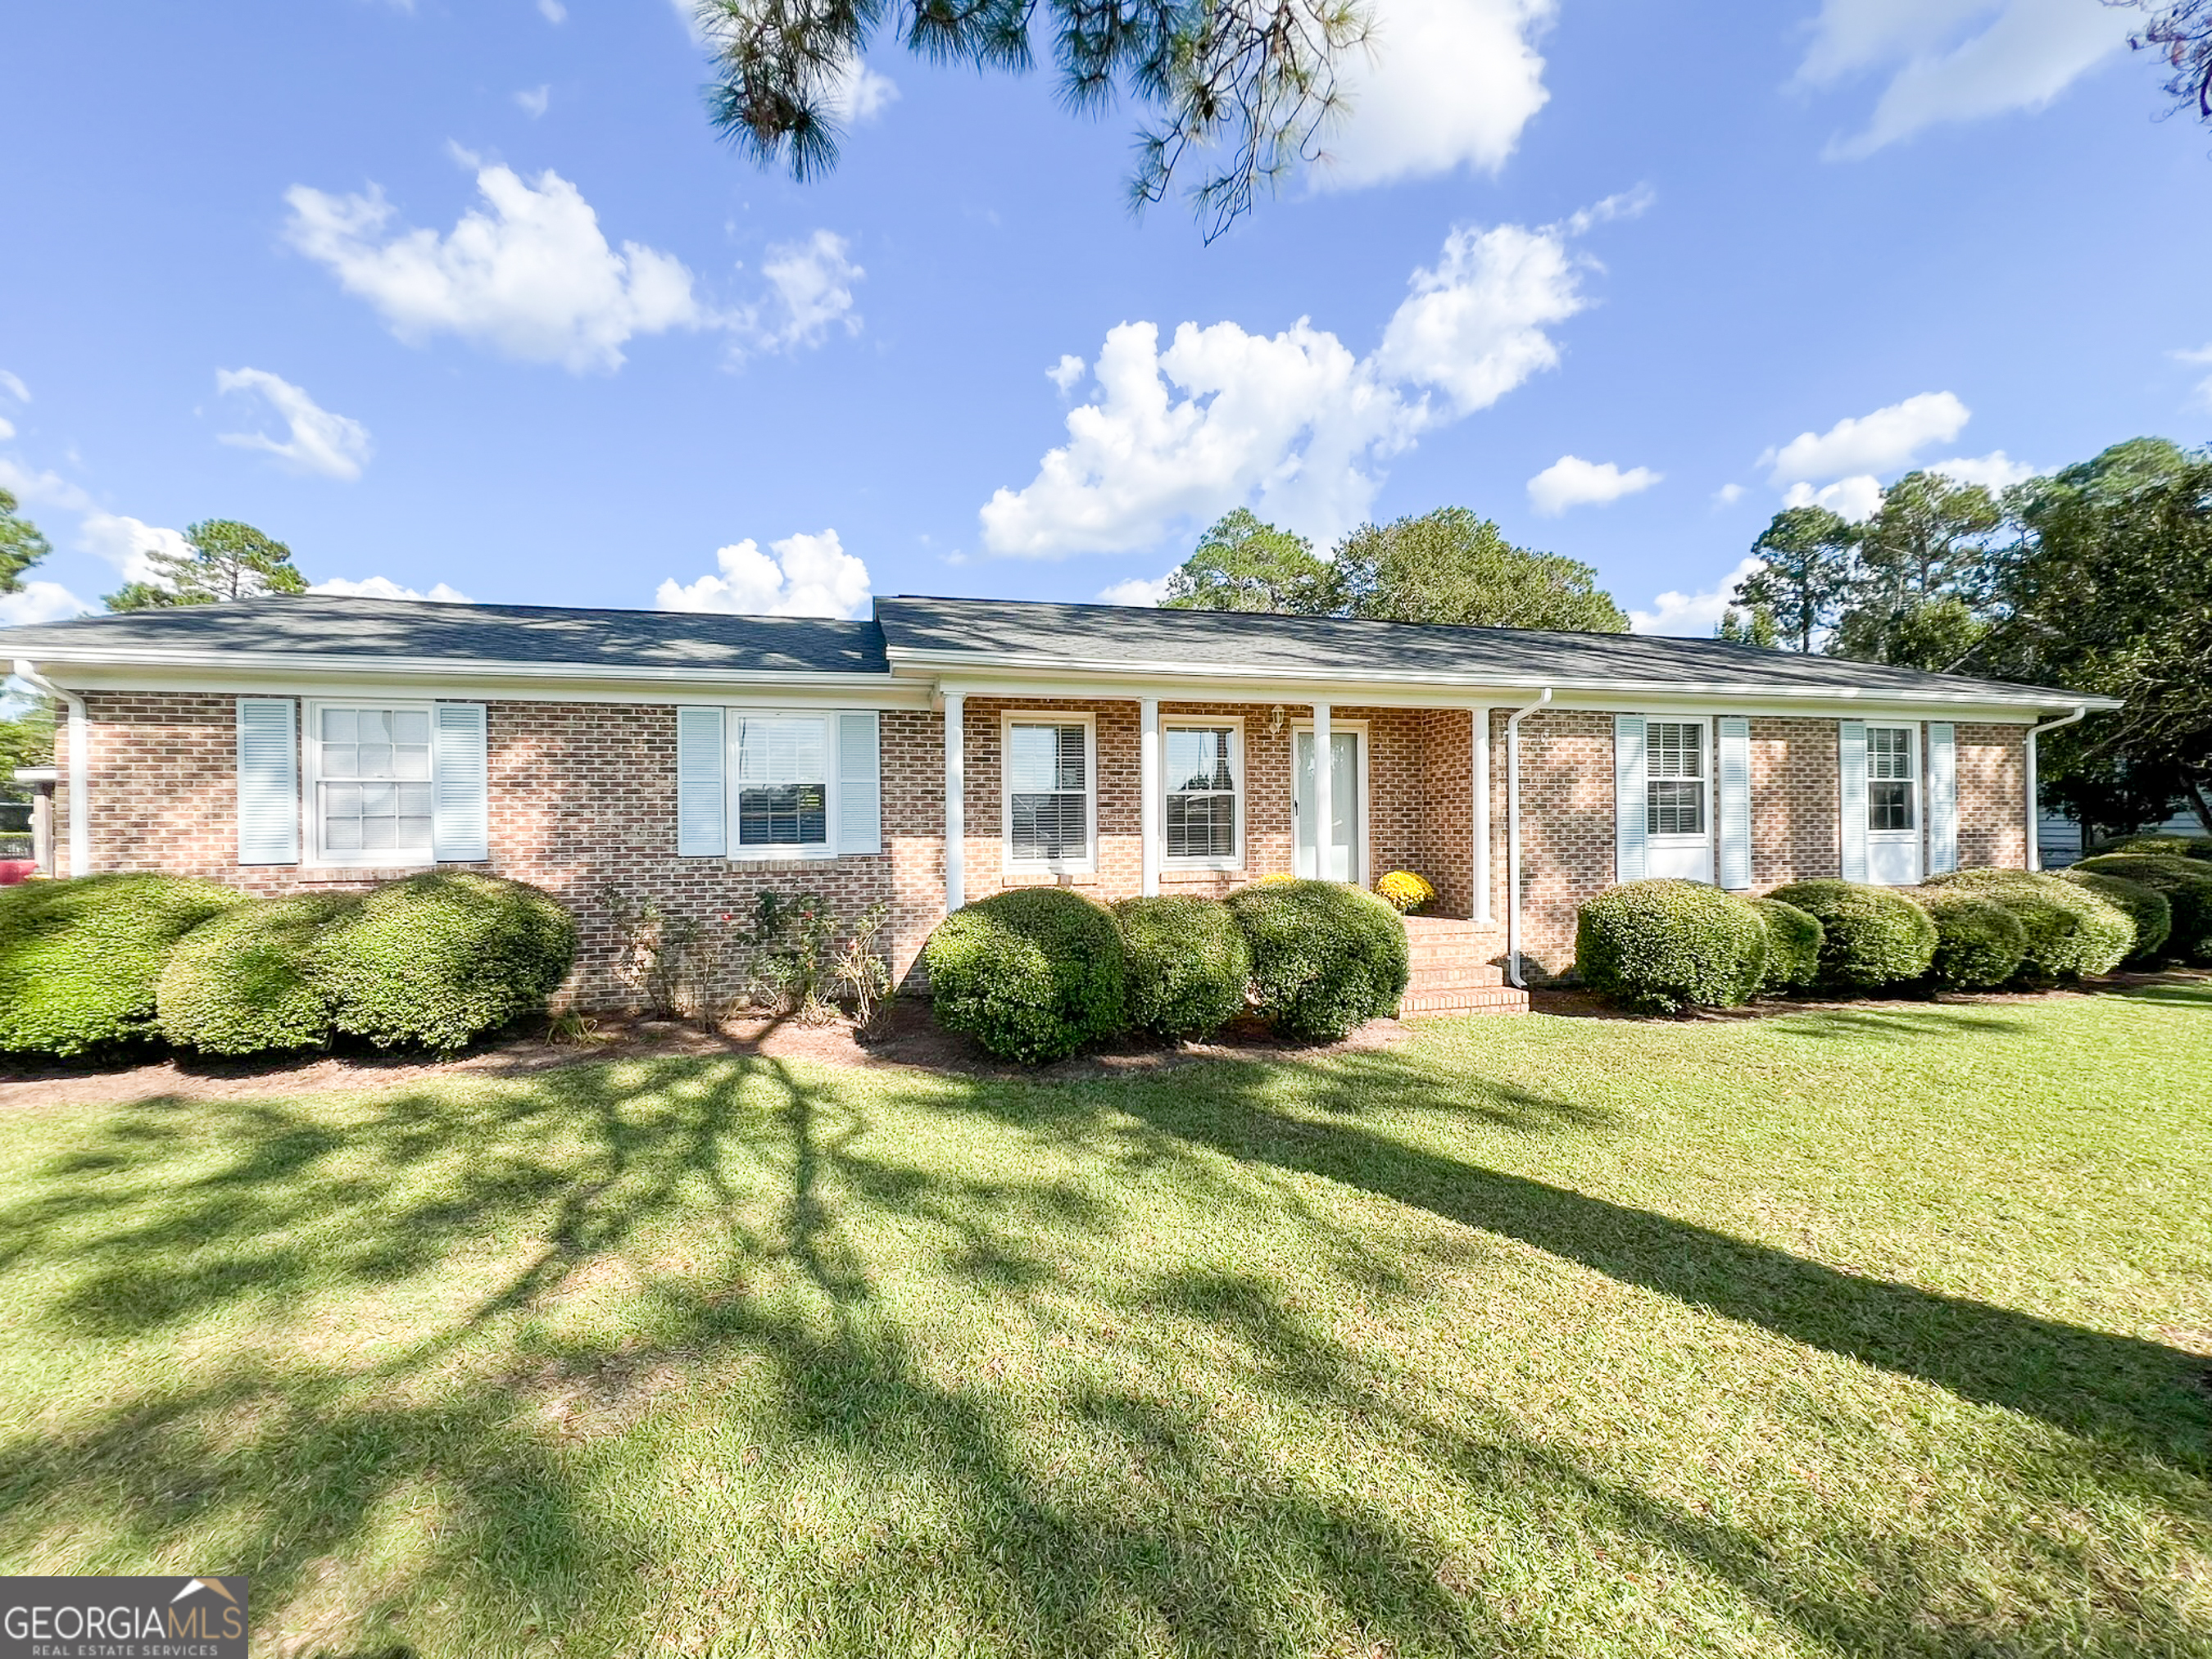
(1041, 758)
(410, 761)
(1675, 808)
(1889, 752)
(1676, 749)
(1198, 758)
(410, 726)
(342, 835)
(375, 725)
(786, 815)
(375, 759)
(1889, 806)
(1050, 826)
(1201, 826)
(340, 760)
(413, 798)
(337, 726)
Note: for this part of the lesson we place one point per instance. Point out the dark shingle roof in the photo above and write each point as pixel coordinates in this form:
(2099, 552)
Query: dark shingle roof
(326, 626)
(1097, 636)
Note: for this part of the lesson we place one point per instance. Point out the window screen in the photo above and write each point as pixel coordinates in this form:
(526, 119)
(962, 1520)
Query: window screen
(1049, 803)
(783, 781)
(373, 777)
(1675, 775)
(1201, 789)
(1889, 777)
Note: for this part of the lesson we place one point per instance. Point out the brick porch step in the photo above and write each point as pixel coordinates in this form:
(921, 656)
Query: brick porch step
(1464, 999)
(1453, 970)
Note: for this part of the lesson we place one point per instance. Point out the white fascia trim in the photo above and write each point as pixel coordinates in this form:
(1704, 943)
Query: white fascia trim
(1243, 683)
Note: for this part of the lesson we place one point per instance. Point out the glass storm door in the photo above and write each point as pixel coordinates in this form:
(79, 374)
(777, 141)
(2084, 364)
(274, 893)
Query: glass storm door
(1343, 864)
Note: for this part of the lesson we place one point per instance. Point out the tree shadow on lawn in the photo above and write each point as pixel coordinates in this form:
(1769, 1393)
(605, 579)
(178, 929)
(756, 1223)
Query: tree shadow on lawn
(1152, 1520)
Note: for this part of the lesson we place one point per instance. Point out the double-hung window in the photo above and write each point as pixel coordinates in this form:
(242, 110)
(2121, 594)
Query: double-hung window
(1050, 780)
(1675, 777)
(373, 799)
(1890, 778)
(1202, 773)
(782, 783)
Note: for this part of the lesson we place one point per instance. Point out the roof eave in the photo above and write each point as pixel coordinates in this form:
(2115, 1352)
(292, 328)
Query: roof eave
(353, 667)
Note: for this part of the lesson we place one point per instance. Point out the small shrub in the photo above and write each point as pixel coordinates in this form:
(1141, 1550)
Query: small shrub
(2164, 847)
(80, 958)
(245, 981)
(1188, 964)
(1031, 973)
(1325, 958)
(1660, 947)
(1405, 892)
(2187, 884)
(2150, 910)
(1870, 937)
(1793, 945)
(438, 959)
(2070, 931)
(859, 968)
(791, 939)
(1979, 942)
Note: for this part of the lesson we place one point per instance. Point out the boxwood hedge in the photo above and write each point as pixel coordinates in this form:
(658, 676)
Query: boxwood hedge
(1661, 946)
(2070, 931)
(79, 959)
(1325, 958)
(1188, 965)
(245, 981)
(1032, 974)
(1870, 937)
(1979, 942)
(2147, 908)
(435, 960)
(1793, 945)
(2187, 884)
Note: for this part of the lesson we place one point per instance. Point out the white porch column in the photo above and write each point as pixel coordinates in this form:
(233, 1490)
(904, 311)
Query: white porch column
(1148, 779)
(956, 803)
(1480, 757)
(1324, 795)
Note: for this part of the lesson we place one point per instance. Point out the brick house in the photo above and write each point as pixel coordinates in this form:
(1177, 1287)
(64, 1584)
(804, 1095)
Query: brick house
(950, 748)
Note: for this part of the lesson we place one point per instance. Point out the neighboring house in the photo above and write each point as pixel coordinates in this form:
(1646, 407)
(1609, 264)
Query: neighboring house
(951, 748)
(2059, 837)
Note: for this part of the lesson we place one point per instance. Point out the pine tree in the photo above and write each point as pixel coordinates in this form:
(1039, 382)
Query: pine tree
(22, 546)
(227, 561)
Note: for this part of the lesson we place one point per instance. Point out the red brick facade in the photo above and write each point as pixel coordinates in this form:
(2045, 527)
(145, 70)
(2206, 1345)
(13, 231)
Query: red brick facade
(582, 799)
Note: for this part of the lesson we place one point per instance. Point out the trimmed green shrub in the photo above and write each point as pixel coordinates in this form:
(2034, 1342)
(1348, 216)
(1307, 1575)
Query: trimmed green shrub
(2187, 884)
(244, 982)
(1793, 945)
(79, 958)
(2070, 931)
(1660, 947)
(1325, 958)
(438, 959)
(1979, 942)
(1187, 967)
(1870, 937)
(2163, 847)
(2147, 907)
(1031, 973)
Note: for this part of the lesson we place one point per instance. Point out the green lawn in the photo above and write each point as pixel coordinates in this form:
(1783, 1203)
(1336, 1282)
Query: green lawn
(1872, 1332)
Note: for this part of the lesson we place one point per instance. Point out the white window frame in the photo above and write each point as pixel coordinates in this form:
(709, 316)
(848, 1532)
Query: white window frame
(1916, 759)
(734, 720)
(1008, 719)
(1709, 799)
(312, 780)
(1234, 724)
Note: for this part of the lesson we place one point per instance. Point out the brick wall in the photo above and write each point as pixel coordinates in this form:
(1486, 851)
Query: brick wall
(1992, 795)
(1797, 801)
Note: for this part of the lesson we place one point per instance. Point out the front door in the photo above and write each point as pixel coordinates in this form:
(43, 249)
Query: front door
(1348, 809)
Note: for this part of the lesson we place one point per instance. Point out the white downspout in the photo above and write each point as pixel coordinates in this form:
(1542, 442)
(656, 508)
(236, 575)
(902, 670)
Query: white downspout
(80, 767)
(2034, 811)
(1513, 837)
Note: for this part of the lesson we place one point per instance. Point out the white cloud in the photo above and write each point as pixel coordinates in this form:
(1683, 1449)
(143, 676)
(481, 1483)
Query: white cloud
(528, 274)
(319, 440)
(6, 430)
(1869, 443)
(1727, 494)
(13, 387)
(41, 489)
(2200, 354)
(1067, 374)
(799, 576)
(1142, 591)
(1293, 420)
(1571, 480)
(40, 602)
(809, 293)
(1692, 614)
(1956, 60)
(1857, 498)
(860, 94)
(1444, 84)
(533, 101)
(1995, 471)
(552, 11)
(383, 587)
(129, 543)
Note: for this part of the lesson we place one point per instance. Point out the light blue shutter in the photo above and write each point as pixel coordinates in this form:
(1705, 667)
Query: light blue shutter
(1942, 797)
(1736, 802)
(268, 782)
(859, 785)
(1629, 798)
(461, 831)
(701, 800)
(1851, 743)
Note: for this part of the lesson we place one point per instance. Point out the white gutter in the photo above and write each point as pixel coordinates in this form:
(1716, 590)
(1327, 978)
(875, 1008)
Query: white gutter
(1513, 837)
(2034, 811)
(80, 765)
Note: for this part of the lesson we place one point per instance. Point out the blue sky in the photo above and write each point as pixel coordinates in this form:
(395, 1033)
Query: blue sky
(466, 298)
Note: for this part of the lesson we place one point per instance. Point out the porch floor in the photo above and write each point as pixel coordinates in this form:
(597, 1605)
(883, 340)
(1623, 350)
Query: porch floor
(1455, 970)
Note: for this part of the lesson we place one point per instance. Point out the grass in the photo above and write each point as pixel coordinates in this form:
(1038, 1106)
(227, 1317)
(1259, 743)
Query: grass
(1859, 1332)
